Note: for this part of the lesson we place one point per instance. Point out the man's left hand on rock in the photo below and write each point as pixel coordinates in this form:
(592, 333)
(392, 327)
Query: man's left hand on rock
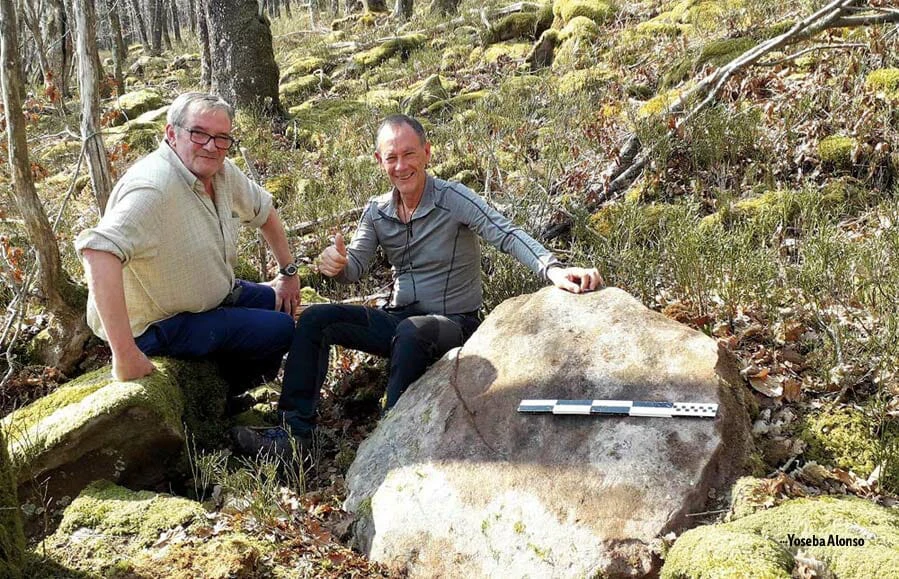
(575, 279)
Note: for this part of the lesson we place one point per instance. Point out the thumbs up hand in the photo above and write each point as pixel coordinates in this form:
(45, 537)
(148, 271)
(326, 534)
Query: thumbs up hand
(333, 259)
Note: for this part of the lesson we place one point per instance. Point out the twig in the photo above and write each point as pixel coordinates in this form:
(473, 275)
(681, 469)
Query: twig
(704, 513)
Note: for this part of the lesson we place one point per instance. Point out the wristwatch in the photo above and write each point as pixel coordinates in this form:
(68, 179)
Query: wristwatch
(289, 270)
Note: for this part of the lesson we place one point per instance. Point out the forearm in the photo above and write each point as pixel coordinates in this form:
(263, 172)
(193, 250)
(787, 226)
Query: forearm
(276, 237)
(104, 279)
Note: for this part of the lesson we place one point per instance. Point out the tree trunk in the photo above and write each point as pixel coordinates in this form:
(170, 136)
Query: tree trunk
(378, 5)
(334, 9)
(138, 17)
(156, 18)
(89, 80)
(32, 22)
(68, 328)
(313, 13)
(244, 71)
(403, 9)
(192, 17)
(287, 11)
(119, 52)
(176, 22)
(163, 7)
(445, 7)
(205, 49)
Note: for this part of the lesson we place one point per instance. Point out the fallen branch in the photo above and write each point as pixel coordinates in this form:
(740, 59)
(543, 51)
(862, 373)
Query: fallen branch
(309, 226)
(805, 51)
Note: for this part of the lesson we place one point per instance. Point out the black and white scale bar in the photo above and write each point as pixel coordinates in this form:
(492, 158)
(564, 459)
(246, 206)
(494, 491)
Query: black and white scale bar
(620, 408)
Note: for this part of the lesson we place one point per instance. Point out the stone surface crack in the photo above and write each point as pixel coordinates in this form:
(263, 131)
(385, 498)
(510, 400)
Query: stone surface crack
(468, 411)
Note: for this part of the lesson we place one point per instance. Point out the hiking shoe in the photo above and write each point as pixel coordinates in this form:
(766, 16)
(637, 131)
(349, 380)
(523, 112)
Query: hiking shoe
(273, 441)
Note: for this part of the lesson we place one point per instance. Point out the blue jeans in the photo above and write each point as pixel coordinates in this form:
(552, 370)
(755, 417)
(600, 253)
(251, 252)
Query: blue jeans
(413, 340)
(247, 337)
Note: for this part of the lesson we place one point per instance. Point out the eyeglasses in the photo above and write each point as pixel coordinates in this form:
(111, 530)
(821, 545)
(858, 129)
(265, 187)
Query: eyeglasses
(222, 142)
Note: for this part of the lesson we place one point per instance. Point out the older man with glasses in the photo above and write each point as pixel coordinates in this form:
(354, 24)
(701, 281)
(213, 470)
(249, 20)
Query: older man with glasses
(160, 264)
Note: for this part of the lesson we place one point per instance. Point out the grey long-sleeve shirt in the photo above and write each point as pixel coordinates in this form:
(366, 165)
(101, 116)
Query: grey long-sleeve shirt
(435, 257)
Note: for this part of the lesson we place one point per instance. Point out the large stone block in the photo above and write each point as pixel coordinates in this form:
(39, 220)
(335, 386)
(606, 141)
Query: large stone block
(455, 482)
(128, 432)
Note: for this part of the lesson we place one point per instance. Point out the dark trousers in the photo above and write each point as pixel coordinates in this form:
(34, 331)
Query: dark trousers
(413, 340)
(246, 337)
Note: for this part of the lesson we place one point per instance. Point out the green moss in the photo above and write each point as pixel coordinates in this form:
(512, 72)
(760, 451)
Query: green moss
(364, 508)
(113, 510)
(247, 271)
(454, 57)
(399, 45)
(837, 150)
(64, 148)
(842, 517)
(282, 187)
(644, 221)
(433, 89)
(589, 80)
(847, 438)
(653, 28)
(712, 552)
(304, 66)
(495, 52)
(715, 52)
(521, 25)
(12, 540)
(659, 104)
(296, 91)
(308, 295)
(599, 11)
(458, 102)
(320, 114)
(748, 496)
(885, 80)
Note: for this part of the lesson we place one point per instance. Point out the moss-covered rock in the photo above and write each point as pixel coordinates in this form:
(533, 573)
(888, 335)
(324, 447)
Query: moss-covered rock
(711, 552)
(495, 52)
(458, 102)
(96, 427)
(147, 64)
(107, 525)
(854, 440)
(837, 150)
(854, 538)
(431, 90)
(12, 541)
(884, 81)
(221, 557)
(133, 104)
(401, 45)
(298, 90)
(305, 66)
(317, 114)
(64, 149)
(748, 496)
(599, 11)
(528, 25)
(543, 52)
(589, 80)
(659, 104)
(576, 48)
(454, 57)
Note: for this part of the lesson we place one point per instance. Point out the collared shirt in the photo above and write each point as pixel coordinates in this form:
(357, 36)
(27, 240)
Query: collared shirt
(436, 257)
(178, 248)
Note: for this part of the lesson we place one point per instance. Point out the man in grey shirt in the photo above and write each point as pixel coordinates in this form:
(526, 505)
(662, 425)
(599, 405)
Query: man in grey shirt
(428, 229)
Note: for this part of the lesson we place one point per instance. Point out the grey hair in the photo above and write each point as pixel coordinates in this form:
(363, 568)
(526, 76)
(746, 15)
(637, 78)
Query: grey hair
(397, 121)
(197, 102)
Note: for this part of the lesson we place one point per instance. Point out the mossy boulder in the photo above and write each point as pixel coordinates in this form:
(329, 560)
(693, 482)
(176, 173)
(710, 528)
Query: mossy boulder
(855, 440)
(528, 25)
(108, 525)
(146, 64)
(305, 66)
(131, 432)
(599, 11)
(298, 90)
(431, 90)
(496, 52)
(660, 104)
(454, 57)
(707, 553)
(459, 102)
(64, 149)
(12, 540)
(131, 105)
(588, 80)
(401, 45)
(884, 81)
(853, 538)
(837, 150)
(318, 114)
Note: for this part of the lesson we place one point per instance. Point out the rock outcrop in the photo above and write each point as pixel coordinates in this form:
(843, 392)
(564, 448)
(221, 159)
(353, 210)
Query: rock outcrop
(12, 541)
(454, 481)
(128, 432)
